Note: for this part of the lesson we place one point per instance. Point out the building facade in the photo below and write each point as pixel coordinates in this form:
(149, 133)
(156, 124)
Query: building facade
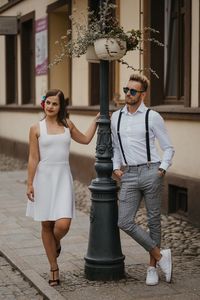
(24, 78)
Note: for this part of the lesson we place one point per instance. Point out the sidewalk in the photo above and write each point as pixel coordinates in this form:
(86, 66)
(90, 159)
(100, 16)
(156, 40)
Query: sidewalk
(21, 244)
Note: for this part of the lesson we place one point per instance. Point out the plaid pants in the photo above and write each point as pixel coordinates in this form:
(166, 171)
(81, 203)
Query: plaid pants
(137, 183)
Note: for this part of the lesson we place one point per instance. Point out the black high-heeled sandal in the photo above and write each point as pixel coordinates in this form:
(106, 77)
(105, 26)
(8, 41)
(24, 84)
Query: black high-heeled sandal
(54, 282)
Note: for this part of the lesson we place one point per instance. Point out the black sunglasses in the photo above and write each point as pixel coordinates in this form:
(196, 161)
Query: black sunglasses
(133, 92)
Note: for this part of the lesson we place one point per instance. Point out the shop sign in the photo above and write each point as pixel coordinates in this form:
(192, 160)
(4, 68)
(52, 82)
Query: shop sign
(41, 59)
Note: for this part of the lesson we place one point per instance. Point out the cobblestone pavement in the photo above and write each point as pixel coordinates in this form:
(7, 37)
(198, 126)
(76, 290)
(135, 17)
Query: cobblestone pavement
(13, 285)
(179, 235)
(184, 268)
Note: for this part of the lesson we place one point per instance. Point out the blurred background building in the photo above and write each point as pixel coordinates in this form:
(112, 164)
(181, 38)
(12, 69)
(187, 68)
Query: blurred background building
(28, 31)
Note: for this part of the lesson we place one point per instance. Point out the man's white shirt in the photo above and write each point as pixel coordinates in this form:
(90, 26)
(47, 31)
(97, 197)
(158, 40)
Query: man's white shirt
(133, 137)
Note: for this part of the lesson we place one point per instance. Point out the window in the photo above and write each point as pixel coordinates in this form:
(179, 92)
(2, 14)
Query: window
(174, 50)
(178, 200)
(11, 69)
(28, 59)
(171, 62)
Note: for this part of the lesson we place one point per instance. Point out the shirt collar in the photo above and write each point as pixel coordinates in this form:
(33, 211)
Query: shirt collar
(141, 108)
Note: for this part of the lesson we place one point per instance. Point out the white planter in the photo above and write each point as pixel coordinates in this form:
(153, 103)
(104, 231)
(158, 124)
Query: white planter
(110, 49)
(91, 55)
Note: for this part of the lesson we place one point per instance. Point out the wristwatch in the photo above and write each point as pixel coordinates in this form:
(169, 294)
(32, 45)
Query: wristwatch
(162, 170)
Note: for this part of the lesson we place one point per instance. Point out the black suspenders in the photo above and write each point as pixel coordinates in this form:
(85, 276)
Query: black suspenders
(147, 136)
(119, 138)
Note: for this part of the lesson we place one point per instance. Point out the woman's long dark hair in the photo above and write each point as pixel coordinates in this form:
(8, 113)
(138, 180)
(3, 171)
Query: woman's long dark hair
(63, 113)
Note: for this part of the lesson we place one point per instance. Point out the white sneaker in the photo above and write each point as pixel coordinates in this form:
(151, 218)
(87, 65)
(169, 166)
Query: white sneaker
(152, 276)
(165, 264)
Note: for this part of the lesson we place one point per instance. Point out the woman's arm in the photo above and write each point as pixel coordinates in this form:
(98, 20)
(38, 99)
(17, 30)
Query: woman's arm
(78, 136)
(33, 159)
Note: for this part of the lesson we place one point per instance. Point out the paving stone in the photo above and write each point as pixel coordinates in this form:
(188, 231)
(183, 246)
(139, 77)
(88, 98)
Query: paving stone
(13, 285)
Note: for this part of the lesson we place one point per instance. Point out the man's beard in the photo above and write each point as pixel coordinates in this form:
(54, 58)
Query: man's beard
(131, 101)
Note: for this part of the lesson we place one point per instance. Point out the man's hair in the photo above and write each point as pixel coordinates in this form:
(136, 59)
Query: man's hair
(142, 79)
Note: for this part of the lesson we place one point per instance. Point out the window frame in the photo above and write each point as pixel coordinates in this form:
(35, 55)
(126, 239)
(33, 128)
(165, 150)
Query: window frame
(153, 17)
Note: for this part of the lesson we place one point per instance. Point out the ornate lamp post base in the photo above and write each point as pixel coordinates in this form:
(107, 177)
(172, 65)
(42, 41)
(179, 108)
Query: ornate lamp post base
(104, 272)
(104, 259)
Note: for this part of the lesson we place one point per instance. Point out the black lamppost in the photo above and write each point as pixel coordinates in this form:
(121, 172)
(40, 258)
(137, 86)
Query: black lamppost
(104, 259)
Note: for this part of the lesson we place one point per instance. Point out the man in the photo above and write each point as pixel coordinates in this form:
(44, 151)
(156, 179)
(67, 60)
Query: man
(141, 171)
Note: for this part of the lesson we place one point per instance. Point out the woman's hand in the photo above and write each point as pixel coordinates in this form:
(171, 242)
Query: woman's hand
(30, 193)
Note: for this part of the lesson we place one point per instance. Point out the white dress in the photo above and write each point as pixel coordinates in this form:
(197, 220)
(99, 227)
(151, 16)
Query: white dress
(53, 184)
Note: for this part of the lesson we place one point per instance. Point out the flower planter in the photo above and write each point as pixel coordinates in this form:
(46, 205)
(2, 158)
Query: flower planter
(91, 55)
(109, 48)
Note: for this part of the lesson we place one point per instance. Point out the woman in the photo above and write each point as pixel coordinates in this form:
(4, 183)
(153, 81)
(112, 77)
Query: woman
(49, 183)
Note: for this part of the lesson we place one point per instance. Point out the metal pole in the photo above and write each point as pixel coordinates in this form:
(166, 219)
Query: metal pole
(104, 259)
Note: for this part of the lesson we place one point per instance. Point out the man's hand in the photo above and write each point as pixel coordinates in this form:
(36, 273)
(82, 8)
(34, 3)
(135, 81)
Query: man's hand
(118, 173)
(161, 172)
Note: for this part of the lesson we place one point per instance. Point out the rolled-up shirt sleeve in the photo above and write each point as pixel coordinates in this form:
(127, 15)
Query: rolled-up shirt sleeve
(161, 134)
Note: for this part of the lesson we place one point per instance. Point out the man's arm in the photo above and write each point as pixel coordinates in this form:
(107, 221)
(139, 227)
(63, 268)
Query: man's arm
(161, 134)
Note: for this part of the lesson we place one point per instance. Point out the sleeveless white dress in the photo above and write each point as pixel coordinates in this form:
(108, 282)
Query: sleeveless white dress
(53, 184)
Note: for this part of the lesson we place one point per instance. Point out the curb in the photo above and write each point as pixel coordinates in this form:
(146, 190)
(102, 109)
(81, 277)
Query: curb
(32, 276)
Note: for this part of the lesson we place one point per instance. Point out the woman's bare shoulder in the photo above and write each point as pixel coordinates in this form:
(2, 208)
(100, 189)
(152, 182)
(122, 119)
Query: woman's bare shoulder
(35, 129)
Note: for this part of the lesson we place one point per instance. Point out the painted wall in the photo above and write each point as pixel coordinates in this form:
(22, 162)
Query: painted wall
(80, 66)
(185, 138)
(27, 6)
(82, 124)
(16, 125)
(59, 75)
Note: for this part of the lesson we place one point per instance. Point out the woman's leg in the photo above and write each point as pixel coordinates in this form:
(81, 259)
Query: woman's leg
(50, 247)
(61, 227)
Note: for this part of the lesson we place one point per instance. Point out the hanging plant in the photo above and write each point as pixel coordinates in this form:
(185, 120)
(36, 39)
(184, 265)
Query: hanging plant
(89, 28)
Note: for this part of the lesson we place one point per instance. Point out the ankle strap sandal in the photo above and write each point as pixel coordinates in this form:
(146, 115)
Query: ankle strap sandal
(54, 282)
